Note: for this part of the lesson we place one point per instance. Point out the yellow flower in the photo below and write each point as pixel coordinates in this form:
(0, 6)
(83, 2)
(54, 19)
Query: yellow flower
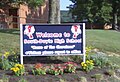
(87, 61)
(15, 69)
(12, 69)
(92, 63)
(6, 54)
(84, 67)
(82, 63)
(19, 65)
(88, 49)
(18, 69)
(22, 66)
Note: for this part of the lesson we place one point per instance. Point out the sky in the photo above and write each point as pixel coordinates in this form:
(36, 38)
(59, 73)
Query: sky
(64, 3)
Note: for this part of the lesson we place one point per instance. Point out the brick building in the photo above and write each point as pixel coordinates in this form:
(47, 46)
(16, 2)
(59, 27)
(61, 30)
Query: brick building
(11, 17)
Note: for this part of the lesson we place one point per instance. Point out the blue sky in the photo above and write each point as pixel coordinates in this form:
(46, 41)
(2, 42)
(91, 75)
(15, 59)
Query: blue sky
(64, 3)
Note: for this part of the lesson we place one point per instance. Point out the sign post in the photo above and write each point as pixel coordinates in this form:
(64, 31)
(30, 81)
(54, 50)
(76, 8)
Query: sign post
(52, 40)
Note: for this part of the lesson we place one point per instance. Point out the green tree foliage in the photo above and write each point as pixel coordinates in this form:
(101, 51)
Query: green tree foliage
(30, 3)
(34, 3)
(91, 10)
(96, 11)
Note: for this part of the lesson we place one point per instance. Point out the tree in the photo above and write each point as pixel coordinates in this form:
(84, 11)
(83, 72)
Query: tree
(54, 11)
(116, 12)
(96, 11)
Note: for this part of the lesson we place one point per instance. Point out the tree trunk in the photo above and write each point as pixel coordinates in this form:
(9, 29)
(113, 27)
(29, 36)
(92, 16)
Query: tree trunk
(115, 20)
(58, 11)
(114, 15)
(54, 11)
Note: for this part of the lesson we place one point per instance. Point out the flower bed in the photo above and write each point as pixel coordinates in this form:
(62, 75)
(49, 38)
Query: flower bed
(39, 69)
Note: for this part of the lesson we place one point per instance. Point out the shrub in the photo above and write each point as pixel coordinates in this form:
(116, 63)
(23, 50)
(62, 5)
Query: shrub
(87, 51)
(39, 69)
(55, 70)
(100, 59)
(58, 69)
(5, 64)
(70, 67)
(88, 65)
(5, 61)
(14, 58)
(18, 69)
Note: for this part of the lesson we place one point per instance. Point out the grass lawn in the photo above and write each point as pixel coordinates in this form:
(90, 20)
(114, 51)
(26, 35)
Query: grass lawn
(104, 40)
(9, 40)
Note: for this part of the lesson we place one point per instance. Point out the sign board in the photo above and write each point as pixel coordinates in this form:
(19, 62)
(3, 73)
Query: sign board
(52, 39)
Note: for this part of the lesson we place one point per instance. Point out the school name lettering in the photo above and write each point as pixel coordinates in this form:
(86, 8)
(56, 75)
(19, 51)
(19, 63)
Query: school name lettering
(51, 41)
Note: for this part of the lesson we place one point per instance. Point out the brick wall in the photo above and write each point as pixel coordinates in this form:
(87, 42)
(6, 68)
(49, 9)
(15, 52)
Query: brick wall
(24, 15)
